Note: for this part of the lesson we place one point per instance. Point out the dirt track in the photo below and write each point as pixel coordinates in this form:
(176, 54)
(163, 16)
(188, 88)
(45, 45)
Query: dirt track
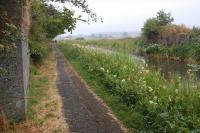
(83, 110)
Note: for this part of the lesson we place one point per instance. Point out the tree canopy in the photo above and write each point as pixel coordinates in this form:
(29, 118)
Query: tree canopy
(153, 26)
(164, 18)
(48, 21)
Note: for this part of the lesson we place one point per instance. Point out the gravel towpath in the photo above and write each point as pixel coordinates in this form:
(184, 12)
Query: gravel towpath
(84, 111)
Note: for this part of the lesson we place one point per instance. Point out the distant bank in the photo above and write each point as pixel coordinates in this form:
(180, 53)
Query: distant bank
(105, 35)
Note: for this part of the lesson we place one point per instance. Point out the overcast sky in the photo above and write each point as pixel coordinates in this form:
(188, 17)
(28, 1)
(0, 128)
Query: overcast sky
(130, 15)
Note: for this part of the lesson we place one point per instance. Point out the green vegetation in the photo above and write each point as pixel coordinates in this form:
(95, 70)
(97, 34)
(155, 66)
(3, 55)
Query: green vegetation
(152, 27)
(48, 21)
(154, 105)
(183, 52)
(120, 45)
(36, 92)
(37, 38)
(113, 101)
(161, 37)
(187, 52)
(44, 105)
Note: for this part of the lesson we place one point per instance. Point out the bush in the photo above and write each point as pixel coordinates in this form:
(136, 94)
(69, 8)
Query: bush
(38, 50)
(187, 51)
(182, 51)
(142, 42)
(196, 54)
(157, 49)
(174, 35)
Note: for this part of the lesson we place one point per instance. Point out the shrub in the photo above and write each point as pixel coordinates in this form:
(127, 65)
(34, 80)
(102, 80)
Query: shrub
(196, 53)
(174, 34)
(142, 42)
(157, 49)
(151, 30)
(152, 27)
(38, 50)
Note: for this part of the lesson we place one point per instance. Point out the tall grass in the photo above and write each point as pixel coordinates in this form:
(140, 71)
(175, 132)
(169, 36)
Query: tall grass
(120, 45)
(189, 52)
(157, 105)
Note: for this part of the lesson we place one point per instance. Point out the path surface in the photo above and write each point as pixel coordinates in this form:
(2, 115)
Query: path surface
(83, 110)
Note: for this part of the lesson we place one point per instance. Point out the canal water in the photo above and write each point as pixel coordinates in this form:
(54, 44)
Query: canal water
(168, 68)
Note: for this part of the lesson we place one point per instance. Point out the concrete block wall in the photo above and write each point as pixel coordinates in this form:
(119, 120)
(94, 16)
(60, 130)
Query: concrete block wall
(14, 83)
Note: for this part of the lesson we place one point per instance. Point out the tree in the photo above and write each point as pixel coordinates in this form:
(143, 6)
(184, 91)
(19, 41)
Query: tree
(150, 30)
(164, 18)
(82, 4)
(152, 27)
(60, 21)
(48, 21)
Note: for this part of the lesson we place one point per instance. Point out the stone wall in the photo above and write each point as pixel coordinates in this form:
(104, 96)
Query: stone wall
(15, 62)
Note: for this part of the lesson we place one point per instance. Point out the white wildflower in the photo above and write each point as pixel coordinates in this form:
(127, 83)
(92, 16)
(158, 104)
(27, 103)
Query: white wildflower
(107, 71)
(114, 76)
(123, 80)
(150, 89)
(146, 71)
(155, 98)
(151, 102)
(125, 67)
(170, 98)
(102, 69)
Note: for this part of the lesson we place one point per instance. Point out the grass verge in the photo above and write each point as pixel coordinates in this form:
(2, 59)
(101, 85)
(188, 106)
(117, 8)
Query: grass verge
(44, 113)
(44, 105)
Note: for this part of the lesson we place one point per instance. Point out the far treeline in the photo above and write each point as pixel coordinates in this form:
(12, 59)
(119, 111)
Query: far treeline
(161, 37)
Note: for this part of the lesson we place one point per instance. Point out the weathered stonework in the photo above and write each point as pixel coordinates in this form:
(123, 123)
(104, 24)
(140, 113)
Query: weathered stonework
(14, 82)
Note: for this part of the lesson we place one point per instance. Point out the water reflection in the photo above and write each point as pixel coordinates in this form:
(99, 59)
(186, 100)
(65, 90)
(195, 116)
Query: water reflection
(173, 67)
